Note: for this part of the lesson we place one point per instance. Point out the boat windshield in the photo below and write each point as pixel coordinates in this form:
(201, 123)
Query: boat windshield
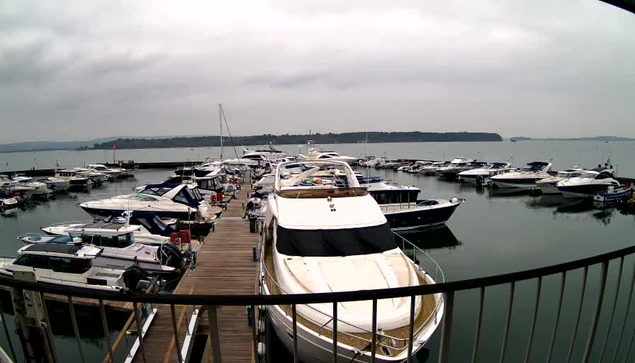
(335, 242)
(57, 264)
(141, 197)
(588, 175)
(120, 241)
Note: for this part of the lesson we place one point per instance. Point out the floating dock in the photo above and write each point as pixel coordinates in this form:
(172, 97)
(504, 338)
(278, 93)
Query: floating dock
(224, 266)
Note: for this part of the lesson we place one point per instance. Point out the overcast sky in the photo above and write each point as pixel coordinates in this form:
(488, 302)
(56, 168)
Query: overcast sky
(84, 69)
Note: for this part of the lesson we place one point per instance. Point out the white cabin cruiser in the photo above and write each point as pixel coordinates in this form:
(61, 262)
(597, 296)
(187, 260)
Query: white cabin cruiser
(76, 180)
(525, 178)
(456, 166)
(58, 185)
(403, 210)
(587, 184)
(119, 249)
(152, 229)
(112, 173)
(333, 237)
(7, 201)
(482, 175)
(40, 190)
(181, 201)
(432, 168)
(549, 185)
(71, 265)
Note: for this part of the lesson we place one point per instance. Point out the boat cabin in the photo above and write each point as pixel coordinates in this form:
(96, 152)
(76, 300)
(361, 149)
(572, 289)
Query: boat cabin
(179, 193)
(58, 257)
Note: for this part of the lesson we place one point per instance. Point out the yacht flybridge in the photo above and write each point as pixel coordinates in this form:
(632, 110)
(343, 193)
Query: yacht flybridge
(181, 201)
(329, 235)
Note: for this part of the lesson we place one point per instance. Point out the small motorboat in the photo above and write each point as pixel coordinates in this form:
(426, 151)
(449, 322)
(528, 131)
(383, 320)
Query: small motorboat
(72, 265)
(40, 190)
(7, 201)
(614, 195)
(456, 166)
(58, 185)
(481, 175)
(76, 181)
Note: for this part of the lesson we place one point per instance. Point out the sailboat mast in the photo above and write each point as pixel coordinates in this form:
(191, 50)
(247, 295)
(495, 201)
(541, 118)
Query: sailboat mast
(220, 124)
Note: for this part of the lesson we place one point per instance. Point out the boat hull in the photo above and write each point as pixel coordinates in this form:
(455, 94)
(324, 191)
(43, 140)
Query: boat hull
(515, 183)
(98, 212)
(418, 217)
(582, 191)
(548, 188)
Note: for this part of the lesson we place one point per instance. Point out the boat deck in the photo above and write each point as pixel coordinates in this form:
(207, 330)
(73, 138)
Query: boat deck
(224, 266)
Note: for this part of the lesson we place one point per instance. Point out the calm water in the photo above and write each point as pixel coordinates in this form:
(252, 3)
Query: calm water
(490, 233)
(563, 153)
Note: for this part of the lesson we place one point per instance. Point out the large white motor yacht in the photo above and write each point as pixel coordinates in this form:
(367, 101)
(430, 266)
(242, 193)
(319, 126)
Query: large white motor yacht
(181, 201)
(587, 184)
(66, 264)
(526, 178)
(549, 185)
(330, 236)
(482, 175)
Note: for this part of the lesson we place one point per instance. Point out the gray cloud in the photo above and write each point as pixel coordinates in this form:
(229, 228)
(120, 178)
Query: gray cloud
(75, 70)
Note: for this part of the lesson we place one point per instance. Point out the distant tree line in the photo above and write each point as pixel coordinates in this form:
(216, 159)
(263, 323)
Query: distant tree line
(286, 139)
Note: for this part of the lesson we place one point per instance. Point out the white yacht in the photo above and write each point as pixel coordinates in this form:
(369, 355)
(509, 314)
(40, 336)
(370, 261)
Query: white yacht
(119, 249)
(432, 168)
(549, 185)
(482, 175)
(182, 201)
(69, 265)
(456, 166)
(403, 210)
(112, 173)
(331, 236)
(40, 190)
(7, 201)
(525, 178)
(58, 185)
(75, 180)
(587, 184)
(152, 229)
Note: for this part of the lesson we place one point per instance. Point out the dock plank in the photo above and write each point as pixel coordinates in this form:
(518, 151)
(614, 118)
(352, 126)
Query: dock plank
(224, 266)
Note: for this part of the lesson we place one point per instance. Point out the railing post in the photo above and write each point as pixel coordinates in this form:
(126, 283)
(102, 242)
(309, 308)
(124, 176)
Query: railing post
(628, 308)
(334, 332)
(479, 320)
(577, 322)
(533, 321)
(446, 330)
(76, 328)
(214, 333)
(563, 281)
(411, 326)
(6, 332)
(50, 344)
(373, 343)
(294, 315)
(139, 331)
(596, 317)
(510, 307)
(617, 295)
(104, 324)
(175, 330)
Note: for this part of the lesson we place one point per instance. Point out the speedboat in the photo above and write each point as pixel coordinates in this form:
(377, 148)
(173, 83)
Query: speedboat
(587, 184)
(12, 187)
(482, 175)
(76, 180)
(97, 178)
(40, 190)
(119, 249)
(614, 195)
(432, 168)
(456, 166)
(72, 265)
(403, 210)
(549, 185)
(112, 173)
(7, 201)
(152, 229)
(330, 155)
(182, 201)
(525, 178)
(331, 236)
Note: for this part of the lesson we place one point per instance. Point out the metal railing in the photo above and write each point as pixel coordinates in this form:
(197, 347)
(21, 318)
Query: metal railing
(620, 341)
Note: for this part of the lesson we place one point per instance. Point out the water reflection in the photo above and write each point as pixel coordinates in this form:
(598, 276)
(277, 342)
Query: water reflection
(438, 237)
(506, 192)
(563, 206)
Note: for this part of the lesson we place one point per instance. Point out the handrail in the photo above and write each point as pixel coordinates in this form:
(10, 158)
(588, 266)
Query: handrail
(316, 298)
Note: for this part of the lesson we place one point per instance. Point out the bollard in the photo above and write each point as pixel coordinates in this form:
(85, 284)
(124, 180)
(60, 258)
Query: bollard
(254, 250)
(250, 317)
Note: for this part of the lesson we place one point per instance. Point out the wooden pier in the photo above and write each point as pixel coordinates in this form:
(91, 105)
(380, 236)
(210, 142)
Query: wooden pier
(224, 266)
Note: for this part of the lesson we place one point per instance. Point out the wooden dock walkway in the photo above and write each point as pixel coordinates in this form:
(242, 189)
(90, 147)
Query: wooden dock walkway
(224, 266)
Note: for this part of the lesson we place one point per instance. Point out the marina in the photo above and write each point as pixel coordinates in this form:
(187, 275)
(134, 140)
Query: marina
(227, 259)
